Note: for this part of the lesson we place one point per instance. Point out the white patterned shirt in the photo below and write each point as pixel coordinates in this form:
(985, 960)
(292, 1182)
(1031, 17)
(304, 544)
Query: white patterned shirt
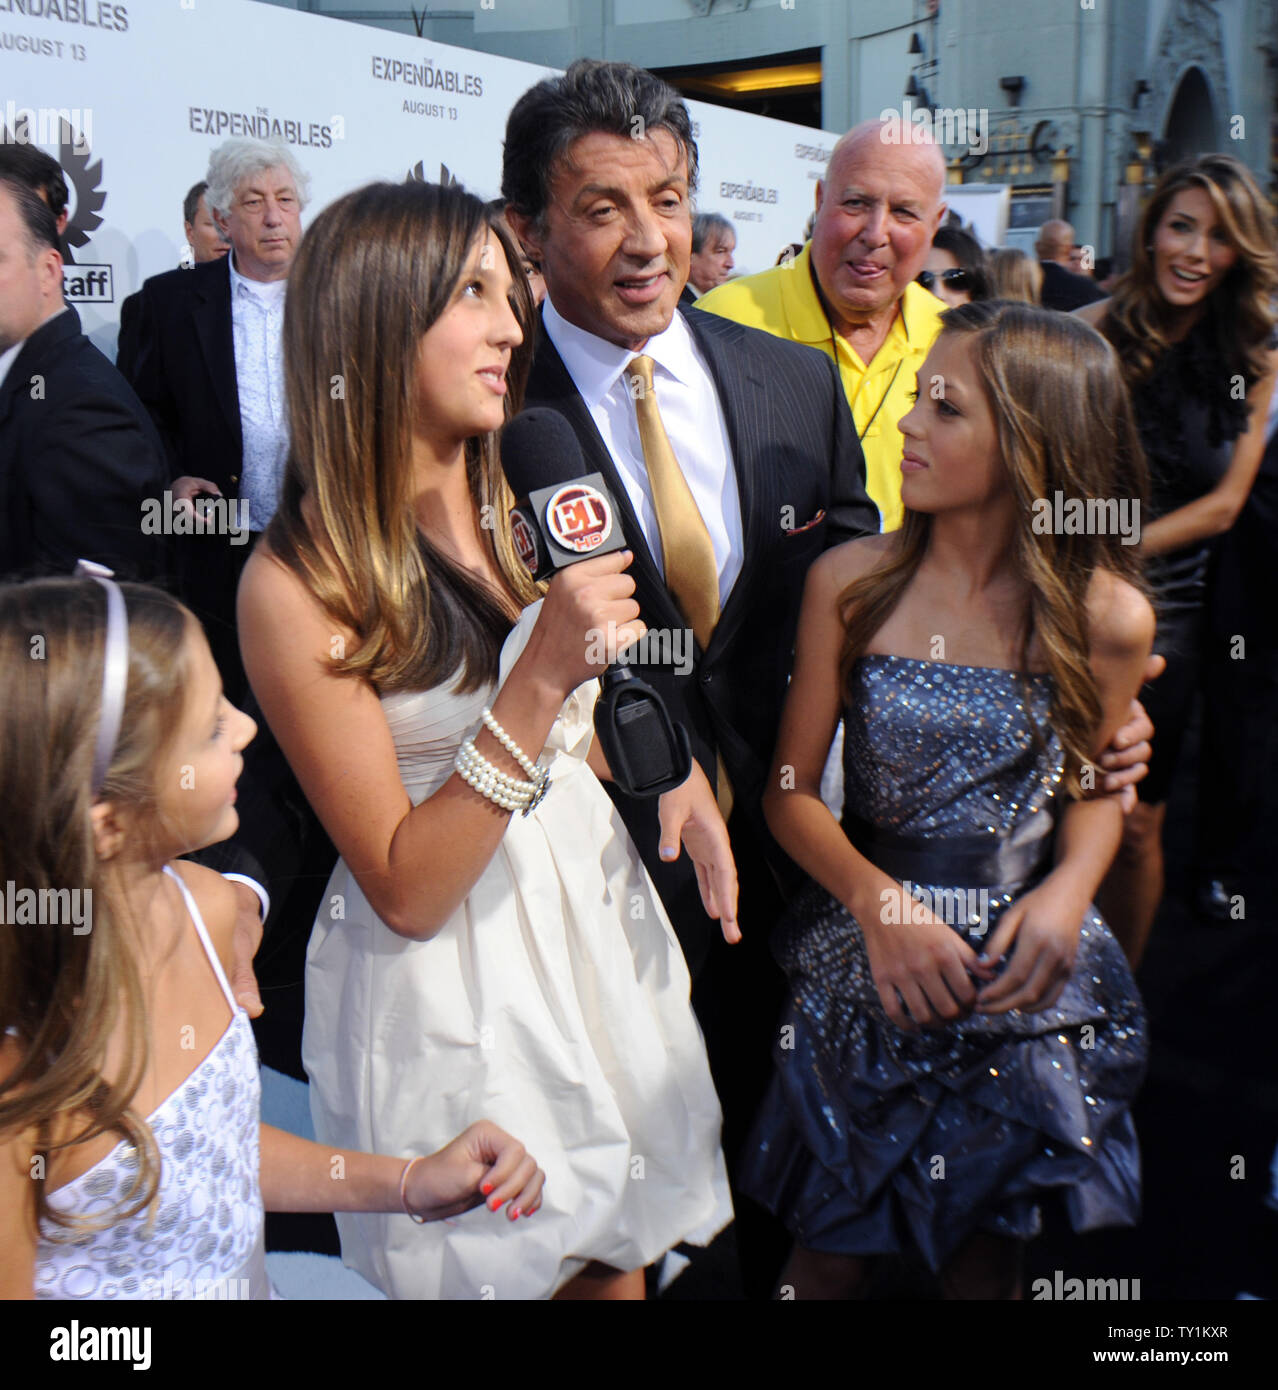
(257, 324)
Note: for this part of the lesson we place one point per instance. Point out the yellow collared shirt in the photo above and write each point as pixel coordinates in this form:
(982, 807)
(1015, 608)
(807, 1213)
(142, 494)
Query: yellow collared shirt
(783, 301)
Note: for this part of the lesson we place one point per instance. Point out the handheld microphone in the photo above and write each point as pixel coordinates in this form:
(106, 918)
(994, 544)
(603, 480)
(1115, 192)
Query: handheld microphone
(565, 515)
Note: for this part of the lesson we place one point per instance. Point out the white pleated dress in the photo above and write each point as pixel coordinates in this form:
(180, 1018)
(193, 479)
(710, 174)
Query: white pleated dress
(554, 1003)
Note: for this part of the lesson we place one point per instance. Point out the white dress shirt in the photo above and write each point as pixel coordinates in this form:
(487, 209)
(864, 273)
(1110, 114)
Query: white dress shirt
(257, 324)
(693, 419)
(9, 357)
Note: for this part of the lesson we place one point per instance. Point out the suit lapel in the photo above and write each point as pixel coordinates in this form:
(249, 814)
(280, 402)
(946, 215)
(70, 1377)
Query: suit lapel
(550, 384)
(65, 325)
(742, 392)
(212, 314)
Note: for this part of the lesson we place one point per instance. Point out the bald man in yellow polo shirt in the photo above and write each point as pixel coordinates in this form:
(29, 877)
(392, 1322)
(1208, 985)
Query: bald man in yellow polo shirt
(851, 291)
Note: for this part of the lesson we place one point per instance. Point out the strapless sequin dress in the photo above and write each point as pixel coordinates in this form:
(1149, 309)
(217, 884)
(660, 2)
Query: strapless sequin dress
(875, 1140)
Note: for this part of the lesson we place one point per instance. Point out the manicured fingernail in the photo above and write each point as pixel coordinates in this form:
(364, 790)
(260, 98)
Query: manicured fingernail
(667, 852)
(514, 1213)
(494, 1202)
(486, 1188)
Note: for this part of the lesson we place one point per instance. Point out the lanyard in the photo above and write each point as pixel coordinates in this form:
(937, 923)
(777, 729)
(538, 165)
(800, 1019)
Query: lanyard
(834, 350)
(861, 435)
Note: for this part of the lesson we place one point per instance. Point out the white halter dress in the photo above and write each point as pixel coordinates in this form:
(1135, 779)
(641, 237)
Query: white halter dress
(206, 1239)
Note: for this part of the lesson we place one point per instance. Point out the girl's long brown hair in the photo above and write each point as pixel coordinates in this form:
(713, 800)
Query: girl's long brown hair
(1064, 425)
(1240, 313)
(374, 271)
(63, 996)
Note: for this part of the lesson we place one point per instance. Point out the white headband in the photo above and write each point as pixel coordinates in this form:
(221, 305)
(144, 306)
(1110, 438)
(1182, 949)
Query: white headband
(115, 670)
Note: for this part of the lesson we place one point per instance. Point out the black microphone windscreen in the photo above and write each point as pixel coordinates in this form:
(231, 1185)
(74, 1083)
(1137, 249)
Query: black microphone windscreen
(540, 449)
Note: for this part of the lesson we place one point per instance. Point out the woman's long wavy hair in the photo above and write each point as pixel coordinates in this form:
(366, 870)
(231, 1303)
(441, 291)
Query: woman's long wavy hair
(1240, 312)
(375, 270)
(1064, 424)
(65, 996)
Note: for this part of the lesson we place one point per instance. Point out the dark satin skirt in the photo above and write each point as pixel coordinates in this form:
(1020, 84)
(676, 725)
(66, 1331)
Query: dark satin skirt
(875, 1140)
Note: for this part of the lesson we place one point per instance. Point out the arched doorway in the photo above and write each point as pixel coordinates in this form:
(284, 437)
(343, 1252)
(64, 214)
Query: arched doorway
(1190, 128)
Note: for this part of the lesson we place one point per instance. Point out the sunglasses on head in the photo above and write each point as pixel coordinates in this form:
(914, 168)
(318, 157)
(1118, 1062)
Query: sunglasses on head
(956, 279)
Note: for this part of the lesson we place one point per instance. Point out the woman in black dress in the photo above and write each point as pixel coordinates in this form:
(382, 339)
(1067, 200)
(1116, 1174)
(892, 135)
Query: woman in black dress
(1192, 323)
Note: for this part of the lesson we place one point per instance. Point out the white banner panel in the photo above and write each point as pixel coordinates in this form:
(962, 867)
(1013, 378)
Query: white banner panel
(130, 97)
(984, 208)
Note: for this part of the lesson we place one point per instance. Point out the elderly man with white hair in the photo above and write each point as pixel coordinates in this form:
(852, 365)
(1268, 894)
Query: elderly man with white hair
(209, 366)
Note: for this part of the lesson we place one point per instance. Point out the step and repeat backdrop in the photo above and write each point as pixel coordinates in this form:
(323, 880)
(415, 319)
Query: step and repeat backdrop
(130, 97)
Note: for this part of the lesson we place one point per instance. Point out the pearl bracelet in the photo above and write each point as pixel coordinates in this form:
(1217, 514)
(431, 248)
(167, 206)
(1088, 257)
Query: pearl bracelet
(499, 788)
(509, 744)
(477, 772)
(470, 759)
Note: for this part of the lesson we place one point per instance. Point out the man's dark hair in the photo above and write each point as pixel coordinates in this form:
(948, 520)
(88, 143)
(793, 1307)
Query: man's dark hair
(612, 98)
(192, 200)
(705, 225)
(37, 170)
(37, 217)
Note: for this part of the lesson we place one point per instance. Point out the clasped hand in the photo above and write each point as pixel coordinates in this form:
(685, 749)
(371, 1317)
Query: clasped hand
(928, 976)
(483, 1164)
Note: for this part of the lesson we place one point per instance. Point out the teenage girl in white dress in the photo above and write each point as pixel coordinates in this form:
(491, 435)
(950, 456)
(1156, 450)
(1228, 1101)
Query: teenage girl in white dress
(475, 954)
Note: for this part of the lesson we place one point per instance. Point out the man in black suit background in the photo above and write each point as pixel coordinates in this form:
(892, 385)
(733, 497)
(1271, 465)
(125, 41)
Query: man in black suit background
(598, 175)
(714, 239)
(79, 458)
(207, 361)
(204, 241)
(1063, 287)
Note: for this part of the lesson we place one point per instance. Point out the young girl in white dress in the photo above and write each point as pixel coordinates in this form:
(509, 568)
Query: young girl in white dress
(120, 753)
(479, 952)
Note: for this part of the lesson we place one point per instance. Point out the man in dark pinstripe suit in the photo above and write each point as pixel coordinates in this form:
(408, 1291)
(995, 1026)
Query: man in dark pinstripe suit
(760, 427)
(600, 167)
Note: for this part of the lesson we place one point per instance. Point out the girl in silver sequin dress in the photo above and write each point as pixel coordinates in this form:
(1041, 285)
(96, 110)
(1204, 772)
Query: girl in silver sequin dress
(120, 753)
(963, 1034)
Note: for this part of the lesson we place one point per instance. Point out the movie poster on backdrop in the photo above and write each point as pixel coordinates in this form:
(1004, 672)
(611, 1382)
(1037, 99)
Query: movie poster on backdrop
(130, 97)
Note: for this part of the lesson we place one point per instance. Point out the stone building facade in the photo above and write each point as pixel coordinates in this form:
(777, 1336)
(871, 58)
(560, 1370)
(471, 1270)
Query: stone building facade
(1080, 99)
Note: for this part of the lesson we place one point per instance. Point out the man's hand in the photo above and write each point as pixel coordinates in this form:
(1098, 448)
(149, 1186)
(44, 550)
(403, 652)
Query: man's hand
(244, 943)
(689, 814)
(1126, 760)
(184, 491)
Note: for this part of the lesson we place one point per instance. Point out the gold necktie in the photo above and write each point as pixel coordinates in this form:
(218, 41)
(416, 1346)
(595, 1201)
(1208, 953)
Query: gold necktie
(691, 573)
(688, 553)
